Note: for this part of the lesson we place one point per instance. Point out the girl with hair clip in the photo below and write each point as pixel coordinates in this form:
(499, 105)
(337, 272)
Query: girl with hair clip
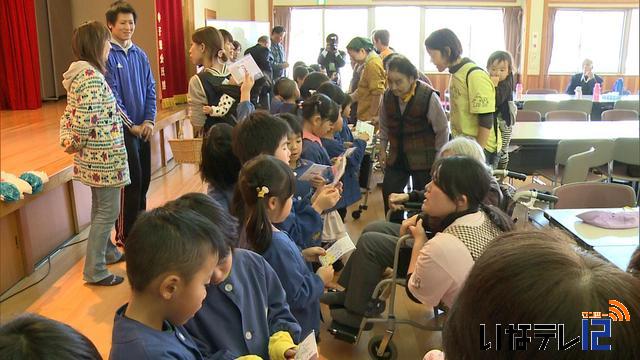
(340, 138)
(320, 114)
(437, 268)
(267, 185)
(211, 99)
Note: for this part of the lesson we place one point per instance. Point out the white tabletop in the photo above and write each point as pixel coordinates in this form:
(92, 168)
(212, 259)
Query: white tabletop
(554, 131)
(594, 236)
(562, 97)
(618, 255)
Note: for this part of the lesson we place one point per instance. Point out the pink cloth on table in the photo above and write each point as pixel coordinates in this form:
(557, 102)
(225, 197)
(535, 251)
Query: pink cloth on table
(610, 220)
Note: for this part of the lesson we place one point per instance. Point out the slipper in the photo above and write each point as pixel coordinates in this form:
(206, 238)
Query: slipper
(110, 280)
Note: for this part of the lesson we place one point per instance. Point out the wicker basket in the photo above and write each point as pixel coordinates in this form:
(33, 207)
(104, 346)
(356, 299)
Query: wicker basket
(186, 151)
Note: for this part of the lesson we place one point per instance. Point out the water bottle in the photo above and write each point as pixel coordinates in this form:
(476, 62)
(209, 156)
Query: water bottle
(519, 91)
(578, 92)
(596, 92)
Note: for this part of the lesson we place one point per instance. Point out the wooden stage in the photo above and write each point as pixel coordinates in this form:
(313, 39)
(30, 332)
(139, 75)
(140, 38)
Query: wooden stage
(63, 296)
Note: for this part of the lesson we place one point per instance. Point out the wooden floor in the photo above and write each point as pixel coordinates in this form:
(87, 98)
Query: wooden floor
(63, 296)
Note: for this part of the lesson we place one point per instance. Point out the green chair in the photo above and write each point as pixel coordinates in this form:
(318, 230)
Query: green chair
(583, 105)
(541, 106)
(628, 105)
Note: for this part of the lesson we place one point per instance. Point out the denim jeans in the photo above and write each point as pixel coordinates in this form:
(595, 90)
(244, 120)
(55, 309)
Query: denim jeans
(105, 207)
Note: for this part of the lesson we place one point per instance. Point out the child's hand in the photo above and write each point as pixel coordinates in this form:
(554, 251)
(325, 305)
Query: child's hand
(495, 80)
(290, 354)
(327, 198)
(207, 109)
(318, 181)
(311, 254)
(325, 273)
(245, 88)
(347, 144)
(363, 136)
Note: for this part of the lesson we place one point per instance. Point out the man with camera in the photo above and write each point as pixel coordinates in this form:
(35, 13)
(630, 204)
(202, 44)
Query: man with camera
(332, 59)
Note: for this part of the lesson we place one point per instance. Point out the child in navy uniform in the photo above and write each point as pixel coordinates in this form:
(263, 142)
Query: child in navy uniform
(337, 141)
(267, 185)
(262, 133)
(219, 167)
(171, 258)
(287, 93)
(320, 113)
(34, 337)
(304, 189)
(245, 296)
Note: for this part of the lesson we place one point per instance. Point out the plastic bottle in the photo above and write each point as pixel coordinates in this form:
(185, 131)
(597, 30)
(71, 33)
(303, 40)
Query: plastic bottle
(596, 92)
(578, 92)
(519, 91)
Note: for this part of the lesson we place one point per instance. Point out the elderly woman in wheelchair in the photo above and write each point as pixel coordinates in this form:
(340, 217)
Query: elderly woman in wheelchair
(462, 224)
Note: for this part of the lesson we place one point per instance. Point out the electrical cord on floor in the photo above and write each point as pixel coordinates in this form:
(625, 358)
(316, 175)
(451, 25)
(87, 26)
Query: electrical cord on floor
(159, 176)
(42, 278)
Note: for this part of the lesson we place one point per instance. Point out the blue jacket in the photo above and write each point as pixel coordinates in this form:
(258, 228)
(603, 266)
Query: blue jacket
(224, 198)
(134, 340)
(240, 314)
(315, 152)
(304, 224)
(131, 80)
(303, 188)
(351, 178)
(303, 286)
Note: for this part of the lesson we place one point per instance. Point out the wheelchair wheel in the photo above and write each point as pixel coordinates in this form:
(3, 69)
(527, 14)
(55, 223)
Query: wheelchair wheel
(390, 353)
(356, 214)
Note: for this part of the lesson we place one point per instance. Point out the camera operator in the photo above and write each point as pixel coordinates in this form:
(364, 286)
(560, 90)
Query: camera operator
(332, 59)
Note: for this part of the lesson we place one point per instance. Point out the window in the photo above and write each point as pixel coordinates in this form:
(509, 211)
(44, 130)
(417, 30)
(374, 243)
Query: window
(596, 35)
(402, 23)
(305, 40)
(633, 63)
(347, 24)
(481, 31)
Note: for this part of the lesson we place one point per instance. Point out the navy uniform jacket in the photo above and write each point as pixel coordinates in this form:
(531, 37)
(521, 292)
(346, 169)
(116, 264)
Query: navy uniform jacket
(351, 178)
(304, 224)
(303, 286)
(240, 314)
(314, 152)
(303, 188)
(134, 340)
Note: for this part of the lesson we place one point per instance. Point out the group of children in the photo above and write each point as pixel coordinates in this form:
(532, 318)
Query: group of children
(235, 273)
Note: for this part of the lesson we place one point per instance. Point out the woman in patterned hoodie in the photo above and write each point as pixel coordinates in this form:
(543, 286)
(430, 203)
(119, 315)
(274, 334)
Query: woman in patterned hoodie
(91, 129)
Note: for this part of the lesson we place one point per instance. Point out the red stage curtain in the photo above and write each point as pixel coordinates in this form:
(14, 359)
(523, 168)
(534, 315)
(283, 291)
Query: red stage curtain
(171, 52)
(19, 63)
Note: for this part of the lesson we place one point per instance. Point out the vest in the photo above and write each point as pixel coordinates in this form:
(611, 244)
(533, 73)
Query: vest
(214, 90)
(409, 132)
(475, 238)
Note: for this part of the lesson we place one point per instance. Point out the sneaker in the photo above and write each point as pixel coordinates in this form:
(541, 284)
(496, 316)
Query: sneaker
(110, 280)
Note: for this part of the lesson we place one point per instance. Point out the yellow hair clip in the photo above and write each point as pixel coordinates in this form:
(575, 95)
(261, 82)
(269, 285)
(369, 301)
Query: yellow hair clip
(262, 191)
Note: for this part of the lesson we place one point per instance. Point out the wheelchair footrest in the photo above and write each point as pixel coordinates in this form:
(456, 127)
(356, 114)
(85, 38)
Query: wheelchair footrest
(344, 332)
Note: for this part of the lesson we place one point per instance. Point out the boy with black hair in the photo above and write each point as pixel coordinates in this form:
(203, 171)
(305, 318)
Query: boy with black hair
(35, 337)
(131, 80)
(299, 74)
(243, 284)
(172, 255)
(286, 93)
